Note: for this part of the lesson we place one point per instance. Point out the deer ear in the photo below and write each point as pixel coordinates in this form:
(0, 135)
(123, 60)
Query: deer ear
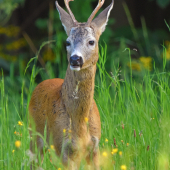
(101, 20)
(65, 18)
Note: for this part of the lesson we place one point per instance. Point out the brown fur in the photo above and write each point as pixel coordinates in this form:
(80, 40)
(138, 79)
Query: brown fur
(55, 101)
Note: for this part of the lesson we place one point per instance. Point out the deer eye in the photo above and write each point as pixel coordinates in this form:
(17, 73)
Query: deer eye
(91, 42)
(68, 43)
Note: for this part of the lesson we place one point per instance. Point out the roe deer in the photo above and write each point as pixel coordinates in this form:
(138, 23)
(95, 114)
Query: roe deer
(68, 104)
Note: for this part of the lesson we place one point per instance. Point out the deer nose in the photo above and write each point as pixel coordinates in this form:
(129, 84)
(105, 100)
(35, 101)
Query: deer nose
(76, 61)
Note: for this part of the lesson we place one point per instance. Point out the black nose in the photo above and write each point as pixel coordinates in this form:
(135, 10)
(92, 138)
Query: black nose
(76, 61)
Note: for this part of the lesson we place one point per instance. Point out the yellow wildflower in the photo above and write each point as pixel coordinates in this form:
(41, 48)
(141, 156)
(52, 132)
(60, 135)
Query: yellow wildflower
(147, 62)
(167, 43)
(13, 151)
(49, 55)
(64, 130)
(120, 153)
(127, 144)
(1, 47)
(15, 132)
(106, 140)
(168, 53)
(123, 167)
(10, 31)
(16, 45)
(86, 119)
(8, 57)
(104, 154)
(52, 147)
(135, 66)
(59, 168)
(114, 151)
(18, 143)
(2, 30)
(20, 123)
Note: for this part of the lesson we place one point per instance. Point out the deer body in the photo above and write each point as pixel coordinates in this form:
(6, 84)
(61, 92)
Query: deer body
(68, 104)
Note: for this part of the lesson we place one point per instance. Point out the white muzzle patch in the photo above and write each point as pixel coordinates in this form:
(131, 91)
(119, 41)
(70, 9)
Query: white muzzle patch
(75, 68)
(76, 52)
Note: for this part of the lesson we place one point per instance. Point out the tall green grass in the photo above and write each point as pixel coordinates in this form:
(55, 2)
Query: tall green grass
(134, 114)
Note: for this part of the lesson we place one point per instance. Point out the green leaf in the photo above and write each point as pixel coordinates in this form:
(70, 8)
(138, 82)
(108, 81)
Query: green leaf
(163, 3)
(41, 23)
(167, 25)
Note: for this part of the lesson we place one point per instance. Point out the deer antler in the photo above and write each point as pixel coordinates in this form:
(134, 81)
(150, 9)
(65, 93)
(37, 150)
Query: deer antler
(69, 10)
(100, 4)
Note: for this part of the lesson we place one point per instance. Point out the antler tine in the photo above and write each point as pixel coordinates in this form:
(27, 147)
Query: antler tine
(100, 4)
(69, 10)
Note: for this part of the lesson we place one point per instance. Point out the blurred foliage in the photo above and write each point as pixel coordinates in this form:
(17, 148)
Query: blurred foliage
(11, 47)
(6, 9)
(163, 3)
(11, 44)
(146, 47)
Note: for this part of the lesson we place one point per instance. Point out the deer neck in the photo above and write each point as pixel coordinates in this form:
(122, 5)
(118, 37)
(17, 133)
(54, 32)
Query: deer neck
(77, 96)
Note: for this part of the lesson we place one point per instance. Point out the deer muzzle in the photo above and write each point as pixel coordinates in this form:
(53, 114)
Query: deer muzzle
(76, 62)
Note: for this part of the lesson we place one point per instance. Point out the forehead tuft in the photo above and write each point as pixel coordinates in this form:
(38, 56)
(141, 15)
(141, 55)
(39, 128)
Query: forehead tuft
(81, 32)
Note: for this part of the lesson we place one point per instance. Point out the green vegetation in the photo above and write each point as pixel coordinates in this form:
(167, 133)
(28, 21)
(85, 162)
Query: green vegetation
(134, 114)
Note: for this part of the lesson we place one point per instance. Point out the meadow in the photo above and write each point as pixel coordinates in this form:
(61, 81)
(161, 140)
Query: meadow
(134, 115)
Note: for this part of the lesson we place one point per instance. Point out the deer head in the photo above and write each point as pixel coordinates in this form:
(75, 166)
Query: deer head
(82, 41)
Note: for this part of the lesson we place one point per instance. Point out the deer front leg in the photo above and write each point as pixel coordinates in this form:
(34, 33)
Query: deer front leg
(93, 157)
(31, 153)
(67, 156)
(93, 160)
(68, 163)
(96, 159)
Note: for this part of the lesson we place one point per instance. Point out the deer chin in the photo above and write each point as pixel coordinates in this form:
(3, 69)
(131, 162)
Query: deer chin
(75, 68)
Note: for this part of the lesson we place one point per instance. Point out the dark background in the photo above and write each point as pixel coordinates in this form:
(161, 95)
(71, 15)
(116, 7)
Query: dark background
(134, 24)
(26, 15)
